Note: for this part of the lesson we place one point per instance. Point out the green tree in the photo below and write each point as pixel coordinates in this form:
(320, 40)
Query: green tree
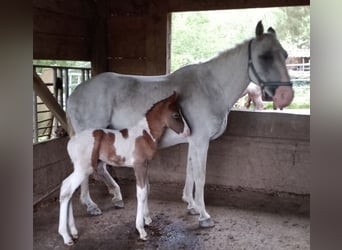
(293, 26)
(197, 36)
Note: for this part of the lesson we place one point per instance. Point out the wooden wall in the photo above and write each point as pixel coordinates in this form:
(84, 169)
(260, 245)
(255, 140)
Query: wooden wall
(137, 41)
(128, 36)
(61, 29)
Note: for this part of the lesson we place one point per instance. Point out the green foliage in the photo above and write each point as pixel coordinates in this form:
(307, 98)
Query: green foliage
(197, 36)
(293, 25)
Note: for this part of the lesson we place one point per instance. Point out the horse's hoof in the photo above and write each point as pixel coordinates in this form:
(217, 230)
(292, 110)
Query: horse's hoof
(119, 204)
(144, 238)
(69, 243)
(94, 211)
(74, 236)
(148, 221)
(206, 223)
(192, 211)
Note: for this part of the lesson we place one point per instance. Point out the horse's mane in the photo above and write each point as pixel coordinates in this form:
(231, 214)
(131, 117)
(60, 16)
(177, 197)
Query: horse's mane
(228, 52)
(218, 57)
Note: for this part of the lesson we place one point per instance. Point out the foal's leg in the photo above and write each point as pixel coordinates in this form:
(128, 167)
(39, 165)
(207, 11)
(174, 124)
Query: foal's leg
(140, 170)
(199, 153)
(92, 207)
(113, 187)
(147, 217)
(70, 184)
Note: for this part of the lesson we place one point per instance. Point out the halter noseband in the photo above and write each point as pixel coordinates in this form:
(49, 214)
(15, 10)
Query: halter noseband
(261, 82)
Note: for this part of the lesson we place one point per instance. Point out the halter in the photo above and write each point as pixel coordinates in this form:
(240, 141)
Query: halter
(261, 82)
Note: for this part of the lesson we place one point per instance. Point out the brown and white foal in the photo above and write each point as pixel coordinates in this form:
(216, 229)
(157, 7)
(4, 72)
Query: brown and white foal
(127, 147)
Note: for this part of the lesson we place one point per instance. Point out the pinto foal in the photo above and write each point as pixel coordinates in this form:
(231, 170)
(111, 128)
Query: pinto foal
(127, 147)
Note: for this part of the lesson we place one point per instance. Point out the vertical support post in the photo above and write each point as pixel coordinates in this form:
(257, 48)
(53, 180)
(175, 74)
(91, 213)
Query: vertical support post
(99, 49)
(66, 86)
(35, 118)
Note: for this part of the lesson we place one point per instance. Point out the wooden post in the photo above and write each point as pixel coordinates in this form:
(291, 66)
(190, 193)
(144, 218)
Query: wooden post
(44, 93)
(99, 28)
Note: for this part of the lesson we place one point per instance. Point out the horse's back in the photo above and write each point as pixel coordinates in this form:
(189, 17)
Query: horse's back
(103, 100)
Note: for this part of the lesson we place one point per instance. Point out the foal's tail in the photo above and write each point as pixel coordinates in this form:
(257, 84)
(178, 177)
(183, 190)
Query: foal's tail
(71, 130)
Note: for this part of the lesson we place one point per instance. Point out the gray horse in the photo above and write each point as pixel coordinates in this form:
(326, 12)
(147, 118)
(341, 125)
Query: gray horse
(207, 91)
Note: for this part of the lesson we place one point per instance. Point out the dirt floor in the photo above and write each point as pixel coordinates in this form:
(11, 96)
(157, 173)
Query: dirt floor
(255, 224)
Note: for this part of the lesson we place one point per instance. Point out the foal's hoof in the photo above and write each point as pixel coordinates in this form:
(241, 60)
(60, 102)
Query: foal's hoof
(94, 211)
(192, 211)
(206, 223)
(119, 204)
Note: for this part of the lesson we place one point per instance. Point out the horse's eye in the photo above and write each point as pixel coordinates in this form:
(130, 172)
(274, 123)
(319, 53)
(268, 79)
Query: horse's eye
(267, 57)
(176, 116)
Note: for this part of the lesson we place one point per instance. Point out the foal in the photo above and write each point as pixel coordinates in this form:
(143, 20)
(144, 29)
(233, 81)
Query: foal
(127, 147)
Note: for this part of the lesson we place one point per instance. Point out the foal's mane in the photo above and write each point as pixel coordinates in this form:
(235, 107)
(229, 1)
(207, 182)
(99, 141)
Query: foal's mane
(157, 103)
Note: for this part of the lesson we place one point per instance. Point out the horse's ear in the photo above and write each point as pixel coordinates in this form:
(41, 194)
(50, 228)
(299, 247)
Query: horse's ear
(271, 30)
(259, 30)
(173, 97)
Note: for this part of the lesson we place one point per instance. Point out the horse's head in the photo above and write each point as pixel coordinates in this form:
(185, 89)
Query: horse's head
(267, 68)
(173, 117)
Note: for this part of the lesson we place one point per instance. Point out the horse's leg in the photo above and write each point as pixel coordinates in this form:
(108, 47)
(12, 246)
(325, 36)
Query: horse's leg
(92, 208)
(70, 184)
(189, 185)
(199, 154)
(71, 222)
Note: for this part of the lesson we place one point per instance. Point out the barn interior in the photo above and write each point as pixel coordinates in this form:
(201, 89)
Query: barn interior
(257, 181)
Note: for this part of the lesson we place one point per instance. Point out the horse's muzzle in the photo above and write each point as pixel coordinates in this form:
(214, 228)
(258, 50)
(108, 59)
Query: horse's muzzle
(282, 96)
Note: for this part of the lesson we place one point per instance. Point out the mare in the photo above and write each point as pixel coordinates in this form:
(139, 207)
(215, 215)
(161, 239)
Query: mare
(208, 92)
(127, 147)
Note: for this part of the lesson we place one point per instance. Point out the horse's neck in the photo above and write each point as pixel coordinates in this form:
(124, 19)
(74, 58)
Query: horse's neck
(230, 72)
(153, 130)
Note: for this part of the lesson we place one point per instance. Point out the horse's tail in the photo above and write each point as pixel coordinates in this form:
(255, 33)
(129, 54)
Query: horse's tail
(71, 130)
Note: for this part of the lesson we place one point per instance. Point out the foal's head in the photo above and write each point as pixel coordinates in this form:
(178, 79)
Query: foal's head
(167, 113)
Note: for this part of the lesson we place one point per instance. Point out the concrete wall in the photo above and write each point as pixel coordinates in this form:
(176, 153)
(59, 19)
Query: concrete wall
(259, 151)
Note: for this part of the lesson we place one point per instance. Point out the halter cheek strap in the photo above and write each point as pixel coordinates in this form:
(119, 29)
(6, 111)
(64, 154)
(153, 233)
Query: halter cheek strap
(261, 82)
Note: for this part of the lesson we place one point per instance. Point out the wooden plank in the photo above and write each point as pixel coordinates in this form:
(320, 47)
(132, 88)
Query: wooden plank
(124, 8)
(127, 45)
(128, 66)
(55, 23)
(76, 8)
(44, 93)
(60, 47)
(157, 40)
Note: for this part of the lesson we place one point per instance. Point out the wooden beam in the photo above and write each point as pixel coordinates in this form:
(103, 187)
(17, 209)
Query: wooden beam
(44, 93)
(199, 5)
